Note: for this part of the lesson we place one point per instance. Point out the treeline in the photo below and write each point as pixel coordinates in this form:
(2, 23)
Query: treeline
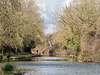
(79, 29)
(21, 27)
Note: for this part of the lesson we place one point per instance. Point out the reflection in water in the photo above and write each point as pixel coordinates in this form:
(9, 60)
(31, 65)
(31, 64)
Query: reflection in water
(49, 59)
(53, 67)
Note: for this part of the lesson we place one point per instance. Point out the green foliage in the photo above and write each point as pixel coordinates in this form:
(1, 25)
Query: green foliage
(1, 56)
(8, 56)
(68, 40)
(8, 68)
(23, 53)
(70, 57)
(77, 47)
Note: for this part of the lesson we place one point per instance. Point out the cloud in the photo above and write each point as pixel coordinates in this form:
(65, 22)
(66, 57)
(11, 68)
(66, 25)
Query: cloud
(42, 6)
(48, 6)
(43, 10)
(44, 16)
(67, 2)
(50, 28)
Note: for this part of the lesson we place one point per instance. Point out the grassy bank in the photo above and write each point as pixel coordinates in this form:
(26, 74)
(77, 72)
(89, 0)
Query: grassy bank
(18, 56)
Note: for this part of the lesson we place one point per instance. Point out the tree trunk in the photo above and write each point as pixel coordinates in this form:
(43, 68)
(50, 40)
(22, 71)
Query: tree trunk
(21, 49)
(2, 52)
(16, 50)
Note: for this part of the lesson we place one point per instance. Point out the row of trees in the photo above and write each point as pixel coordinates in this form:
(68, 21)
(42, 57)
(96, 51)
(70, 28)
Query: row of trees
(78, 24)
(20, 25)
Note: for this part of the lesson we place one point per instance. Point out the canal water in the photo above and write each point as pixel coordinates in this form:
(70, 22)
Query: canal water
(56, 66)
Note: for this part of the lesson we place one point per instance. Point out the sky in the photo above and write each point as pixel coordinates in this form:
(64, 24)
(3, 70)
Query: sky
(46, 9)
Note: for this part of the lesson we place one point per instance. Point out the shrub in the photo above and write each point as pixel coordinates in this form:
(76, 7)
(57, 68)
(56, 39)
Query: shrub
(10, 69)
(8, 56)
(1, 56)
(7, 68)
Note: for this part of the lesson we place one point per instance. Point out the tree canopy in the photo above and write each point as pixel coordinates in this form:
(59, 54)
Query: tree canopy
(20, 24)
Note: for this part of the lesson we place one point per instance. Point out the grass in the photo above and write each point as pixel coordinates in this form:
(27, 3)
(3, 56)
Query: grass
(22, 53)
(70, 57)
(37, 55)
(12, 54)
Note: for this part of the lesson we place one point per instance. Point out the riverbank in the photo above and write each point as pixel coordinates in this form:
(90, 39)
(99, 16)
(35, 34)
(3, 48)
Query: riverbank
(29, 57)
(19, 57)
(16, 57)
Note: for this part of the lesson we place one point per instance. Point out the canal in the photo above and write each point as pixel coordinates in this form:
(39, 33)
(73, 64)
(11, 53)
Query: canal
(56, 66)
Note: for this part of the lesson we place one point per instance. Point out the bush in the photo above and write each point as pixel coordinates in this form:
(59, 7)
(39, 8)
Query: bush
(7, 68)
(1, 56)
(8, 56)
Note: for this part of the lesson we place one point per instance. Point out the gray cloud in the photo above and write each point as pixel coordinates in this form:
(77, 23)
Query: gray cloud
(48, 6)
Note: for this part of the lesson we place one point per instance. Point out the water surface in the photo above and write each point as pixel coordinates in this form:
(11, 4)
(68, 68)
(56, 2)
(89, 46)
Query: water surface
(57, 66)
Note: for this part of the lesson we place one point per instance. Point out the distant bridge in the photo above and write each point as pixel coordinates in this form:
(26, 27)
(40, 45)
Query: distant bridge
(50, 52)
